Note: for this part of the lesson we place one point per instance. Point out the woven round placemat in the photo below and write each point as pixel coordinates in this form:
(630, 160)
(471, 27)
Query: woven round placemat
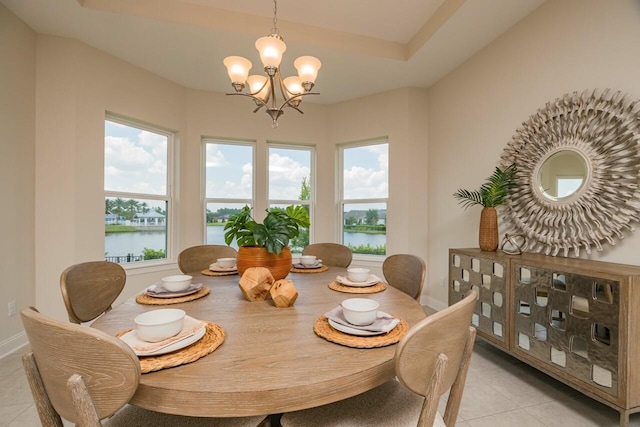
(146, 299)
(337, 286)
(310, 270)
(208, 272)
(213, 337)
(322, 328)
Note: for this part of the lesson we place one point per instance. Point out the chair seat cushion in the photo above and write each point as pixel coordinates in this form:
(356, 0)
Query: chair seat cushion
(132, 416)
(390, 404)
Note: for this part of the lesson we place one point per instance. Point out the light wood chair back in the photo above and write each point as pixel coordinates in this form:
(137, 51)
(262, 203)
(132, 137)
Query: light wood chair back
(431, 359)
(405, 272)
(198, 258)
(438, 348)
(331, 254)
(90, 288)
(77, 372)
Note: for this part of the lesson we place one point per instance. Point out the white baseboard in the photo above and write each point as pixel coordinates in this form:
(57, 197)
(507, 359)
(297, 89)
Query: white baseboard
(13, 344)
(433, 303)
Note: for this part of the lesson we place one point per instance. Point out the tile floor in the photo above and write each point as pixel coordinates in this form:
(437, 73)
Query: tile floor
(500, 391)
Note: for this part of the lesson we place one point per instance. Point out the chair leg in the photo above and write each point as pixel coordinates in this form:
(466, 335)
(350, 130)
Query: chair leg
(48, 415)
(455, 394)
(87, 416)
(430, 406)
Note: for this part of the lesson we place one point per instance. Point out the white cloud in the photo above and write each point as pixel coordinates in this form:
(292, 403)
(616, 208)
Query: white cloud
(215, 157)
(136, 166)
(285, 177)
(365, 183)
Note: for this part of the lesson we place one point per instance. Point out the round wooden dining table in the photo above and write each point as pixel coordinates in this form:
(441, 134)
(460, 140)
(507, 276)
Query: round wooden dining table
(271, 361)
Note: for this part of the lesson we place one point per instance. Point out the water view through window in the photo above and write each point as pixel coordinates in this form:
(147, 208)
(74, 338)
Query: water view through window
(137, 201)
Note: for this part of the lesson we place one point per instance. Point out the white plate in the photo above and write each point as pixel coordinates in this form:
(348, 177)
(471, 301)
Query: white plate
(186, 341)
(215, 267)
(352, 331)
(191, 290)
(372, 280)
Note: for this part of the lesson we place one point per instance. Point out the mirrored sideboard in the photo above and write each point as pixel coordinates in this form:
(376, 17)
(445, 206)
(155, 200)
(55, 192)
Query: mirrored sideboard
(574, 319)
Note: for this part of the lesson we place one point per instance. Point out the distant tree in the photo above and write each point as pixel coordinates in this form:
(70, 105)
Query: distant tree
(109, 205)
(302, 240)
(305, 190)
(350, 221)
(371, 217)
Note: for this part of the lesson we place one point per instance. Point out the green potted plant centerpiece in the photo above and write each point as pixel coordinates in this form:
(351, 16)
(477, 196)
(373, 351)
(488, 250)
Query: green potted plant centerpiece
(492, 193)
(266, 244)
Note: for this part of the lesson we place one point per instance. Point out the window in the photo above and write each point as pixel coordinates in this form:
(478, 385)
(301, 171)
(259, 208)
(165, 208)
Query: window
(364, 188)
(229, 172)
(137, 188)
(290, 183)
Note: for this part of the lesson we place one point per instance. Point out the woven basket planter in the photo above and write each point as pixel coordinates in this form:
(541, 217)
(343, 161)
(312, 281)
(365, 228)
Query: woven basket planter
(488, 236)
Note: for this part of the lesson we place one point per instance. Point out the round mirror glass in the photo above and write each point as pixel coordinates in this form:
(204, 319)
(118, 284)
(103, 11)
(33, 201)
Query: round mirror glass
(562, 175)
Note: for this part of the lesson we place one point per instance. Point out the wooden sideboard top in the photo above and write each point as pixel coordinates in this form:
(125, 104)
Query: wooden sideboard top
(586, 266)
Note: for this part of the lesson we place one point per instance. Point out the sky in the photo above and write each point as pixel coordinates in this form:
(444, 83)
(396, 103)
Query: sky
(136, 161)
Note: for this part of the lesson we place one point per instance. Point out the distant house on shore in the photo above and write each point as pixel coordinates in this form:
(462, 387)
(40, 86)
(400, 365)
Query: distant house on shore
(360, 216)
(110, 219)
(148, 219)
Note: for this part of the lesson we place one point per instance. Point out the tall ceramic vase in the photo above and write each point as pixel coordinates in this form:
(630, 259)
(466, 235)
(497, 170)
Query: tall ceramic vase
(488, 236)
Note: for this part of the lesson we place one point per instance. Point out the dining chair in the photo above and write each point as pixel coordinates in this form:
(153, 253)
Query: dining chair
(405, 272)
(84, 375)
(331, 254)
(198, 258)
(90, 288)
(430, 360)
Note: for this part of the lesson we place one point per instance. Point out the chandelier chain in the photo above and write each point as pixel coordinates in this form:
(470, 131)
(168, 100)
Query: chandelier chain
(274, 30)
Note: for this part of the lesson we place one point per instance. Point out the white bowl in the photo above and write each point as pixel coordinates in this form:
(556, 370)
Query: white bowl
(158, 325)
(308, 260)
(358, 274)
(177, 283)
(226, 262)
(296, 258)
(360, 311)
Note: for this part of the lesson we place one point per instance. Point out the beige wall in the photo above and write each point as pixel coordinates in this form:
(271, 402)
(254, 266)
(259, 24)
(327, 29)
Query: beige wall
(17, 150)
(563, 46)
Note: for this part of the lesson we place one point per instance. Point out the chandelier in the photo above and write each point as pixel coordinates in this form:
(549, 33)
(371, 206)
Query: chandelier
(262, 89)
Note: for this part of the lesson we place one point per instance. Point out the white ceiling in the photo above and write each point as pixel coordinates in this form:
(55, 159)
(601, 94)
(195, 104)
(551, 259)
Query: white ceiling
(366, 46)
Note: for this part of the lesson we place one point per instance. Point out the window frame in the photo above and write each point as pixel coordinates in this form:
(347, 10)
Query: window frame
(312, 177)
(170, 195)
(206, 200)
(341, 202)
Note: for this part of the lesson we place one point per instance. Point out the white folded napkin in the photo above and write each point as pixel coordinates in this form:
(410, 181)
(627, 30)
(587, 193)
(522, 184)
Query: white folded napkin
(157, 289)
(384, 322)
(139, 346)
(371, 280)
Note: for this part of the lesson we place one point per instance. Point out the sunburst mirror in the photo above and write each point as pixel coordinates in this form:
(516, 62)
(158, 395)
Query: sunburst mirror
(578, 176)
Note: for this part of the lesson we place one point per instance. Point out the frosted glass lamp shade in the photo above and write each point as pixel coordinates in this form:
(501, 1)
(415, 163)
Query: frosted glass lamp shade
(238, 68)
(293, 85)
(271, 50)
(258, 84)
(307, 67)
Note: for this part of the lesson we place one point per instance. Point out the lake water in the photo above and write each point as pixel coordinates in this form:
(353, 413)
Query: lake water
(125, 243)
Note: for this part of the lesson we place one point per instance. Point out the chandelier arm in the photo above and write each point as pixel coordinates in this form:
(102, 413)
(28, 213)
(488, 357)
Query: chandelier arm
(258, 101)
(288, 102)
